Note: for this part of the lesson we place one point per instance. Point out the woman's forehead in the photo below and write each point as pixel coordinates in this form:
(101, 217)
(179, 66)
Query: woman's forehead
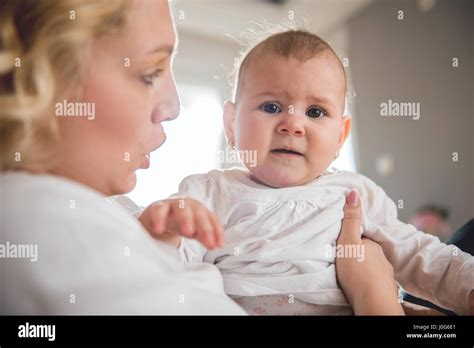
(150, 26)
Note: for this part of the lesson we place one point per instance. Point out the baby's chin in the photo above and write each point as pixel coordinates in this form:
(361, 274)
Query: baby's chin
(279, 178)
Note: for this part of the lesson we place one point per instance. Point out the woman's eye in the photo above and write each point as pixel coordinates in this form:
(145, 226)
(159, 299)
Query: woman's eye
(314, 112)
(271, 108)
(148, 79)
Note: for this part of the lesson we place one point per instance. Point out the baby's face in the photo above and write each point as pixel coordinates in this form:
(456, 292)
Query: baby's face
(291, 114)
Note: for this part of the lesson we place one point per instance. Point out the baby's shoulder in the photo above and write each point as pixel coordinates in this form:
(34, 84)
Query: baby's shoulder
(354, 181)
(217, 177)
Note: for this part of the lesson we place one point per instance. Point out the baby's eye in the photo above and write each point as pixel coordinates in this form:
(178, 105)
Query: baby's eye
(271, 108)
(148, 79)
(315, 112)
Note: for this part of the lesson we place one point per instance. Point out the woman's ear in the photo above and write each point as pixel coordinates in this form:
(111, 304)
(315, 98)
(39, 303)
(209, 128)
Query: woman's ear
(346, 129)
(229, 120)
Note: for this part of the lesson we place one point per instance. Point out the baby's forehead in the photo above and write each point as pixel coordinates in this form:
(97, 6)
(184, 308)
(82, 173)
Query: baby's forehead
(278, 69)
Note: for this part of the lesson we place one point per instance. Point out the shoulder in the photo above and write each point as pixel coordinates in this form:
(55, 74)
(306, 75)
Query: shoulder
(356, 181)
(63, 217)
(94, 250)
(42, 201)
(213, 189)
(216, 177)
(75, 236)
(370, 193)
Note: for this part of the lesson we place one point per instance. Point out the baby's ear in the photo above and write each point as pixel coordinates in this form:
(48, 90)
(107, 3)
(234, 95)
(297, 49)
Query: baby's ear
(229, 120)
(346, 129)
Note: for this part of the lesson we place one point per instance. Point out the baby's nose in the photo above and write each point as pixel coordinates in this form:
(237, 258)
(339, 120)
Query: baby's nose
(291, 126)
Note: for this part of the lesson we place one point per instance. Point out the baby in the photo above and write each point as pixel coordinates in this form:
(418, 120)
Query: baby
(282, 214)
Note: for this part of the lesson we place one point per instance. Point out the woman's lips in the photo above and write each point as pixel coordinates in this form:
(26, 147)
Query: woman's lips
(146, 161)
(145, 164)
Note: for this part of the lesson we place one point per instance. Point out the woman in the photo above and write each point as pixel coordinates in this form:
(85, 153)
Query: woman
(112, 58)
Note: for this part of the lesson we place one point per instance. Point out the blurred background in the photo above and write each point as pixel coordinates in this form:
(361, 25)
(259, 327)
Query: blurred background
(416, 51)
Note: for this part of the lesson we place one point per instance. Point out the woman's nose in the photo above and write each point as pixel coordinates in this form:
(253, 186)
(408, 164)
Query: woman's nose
(168, 106)
(291, 125)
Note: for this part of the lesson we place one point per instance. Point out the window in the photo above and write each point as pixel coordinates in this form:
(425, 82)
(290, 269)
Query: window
(193, 140)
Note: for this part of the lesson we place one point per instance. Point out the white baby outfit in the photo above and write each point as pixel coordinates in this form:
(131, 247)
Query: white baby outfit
(278, 243)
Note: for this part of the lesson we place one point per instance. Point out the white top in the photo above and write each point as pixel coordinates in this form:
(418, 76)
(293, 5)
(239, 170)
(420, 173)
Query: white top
(278, 241)
(92, 257)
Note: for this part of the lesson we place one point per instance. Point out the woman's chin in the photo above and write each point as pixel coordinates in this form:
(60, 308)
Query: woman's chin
(126, 185)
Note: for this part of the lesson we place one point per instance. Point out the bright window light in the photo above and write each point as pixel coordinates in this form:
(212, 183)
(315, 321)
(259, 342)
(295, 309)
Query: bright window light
(191, 146)
(346, 160)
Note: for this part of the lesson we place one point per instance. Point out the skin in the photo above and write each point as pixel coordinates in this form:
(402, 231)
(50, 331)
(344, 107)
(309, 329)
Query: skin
(301, 109)
(128, 119)
(356, 277)
(129, 111)
(172, 219)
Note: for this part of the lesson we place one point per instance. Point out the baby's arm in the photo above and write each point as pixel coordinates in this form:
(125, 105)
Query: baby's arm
(170, 219)
(201, 188)
(422, 264)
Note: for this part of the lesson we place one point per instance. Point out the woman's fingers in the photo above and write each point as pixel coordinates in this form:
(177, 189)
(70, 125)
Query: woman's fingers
(370, 243)
(350, 231)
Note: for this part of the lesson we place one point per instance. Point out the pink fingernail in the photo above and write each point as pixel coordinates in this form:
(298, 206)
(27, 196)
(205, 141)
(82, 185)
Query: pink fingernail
(353, 199)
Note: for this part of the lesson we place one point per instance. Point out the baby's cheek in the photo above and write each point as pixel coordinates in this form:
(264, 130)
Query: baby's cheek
(323, 143)
(252, 136)
(323, 150)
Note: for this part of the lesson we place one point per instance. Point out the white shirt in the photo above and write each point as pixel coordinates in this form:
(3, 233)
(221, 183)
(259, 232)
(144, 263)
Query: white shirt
(278, 241)
(92, 257)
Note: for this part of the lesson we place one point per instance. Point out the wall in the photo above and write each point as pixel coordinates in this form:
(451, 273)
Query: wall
(411, 60)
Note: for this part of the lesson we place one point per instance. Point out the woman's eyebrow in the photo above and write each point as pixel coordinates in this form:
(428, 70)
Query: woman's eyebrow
(166, 48)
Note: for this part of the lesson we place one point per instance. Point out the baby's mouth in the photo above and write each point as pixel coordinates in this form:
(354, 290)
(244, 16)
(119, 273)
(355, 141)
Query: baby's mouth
(286, 152)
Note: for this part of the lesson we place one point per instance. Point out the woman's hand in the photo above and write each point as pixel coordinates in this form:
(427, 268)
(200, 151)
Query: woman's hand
(170, 219)
(368, 281)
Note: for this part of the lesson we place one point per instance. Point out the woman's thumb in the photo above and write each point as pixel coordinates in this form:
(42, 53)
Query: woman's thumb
(350, 231)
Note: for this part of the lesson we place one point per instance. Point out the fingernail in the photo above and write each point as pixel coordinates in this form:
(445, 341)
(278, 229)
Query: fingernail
(353, 199)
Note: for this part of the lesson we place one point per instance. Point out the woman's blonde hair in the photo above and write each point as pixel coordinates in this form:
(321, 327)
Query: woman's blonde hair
(44, 48)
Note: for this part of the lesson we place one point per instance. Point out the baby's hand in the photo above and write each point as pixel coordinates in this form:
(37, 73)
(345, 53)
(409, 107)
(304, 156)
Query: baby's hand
(169, 219)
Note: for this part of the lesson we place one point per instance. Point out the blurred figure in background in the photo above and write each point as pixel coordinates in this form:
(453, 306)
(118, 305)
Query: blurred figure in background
(432, 219)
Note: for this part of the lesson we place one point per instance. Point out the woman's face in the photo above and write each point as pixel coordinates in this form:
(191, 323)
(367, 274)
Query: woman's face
(129, 79)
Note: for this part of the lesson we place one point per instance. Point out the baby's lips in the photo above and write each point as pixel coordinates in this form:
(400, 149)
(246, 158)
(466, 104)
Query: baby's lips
(287, 149)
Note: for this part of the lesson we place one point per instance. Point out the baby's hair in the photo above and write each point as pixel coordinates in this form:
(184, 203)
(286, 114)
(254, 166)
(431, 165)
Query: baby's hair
(289, 42)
